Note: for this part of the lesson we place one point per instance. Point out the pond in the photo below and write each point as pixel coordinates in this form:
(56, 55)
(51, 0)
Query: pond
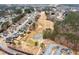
(38, 37)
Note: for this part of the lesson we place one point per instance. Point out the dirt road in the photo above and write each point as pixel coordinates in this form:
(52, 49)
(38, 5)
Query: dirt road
(42, 24)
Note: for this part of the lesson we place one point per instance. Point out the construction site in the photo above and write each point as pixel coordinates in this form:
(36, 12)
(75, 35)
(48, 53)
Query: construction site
(25, 37)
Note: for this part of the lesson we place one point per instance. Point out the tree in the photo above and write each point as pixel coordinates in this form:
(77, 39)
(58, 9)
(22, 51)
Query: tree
(27, 11)
(18, 11)
(36, 43)
(5, 25)
(14, 20)
(48, 33)
(67, 29)
(42, 45)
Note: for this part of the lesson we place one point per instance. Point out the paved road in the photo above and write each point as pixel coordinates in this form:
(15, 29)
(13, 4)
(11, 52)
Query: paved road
(58, 51)
(48, 50)
(10, 51)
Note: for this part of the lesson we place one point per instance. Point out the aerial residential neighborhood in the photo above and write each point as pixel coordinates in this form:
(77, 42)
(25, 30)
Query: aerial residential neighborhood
(42, 29)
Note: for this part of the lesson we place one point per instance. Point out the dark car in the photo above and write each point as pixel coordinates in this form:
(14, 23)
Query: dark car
(15, 35)
(9, 40)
